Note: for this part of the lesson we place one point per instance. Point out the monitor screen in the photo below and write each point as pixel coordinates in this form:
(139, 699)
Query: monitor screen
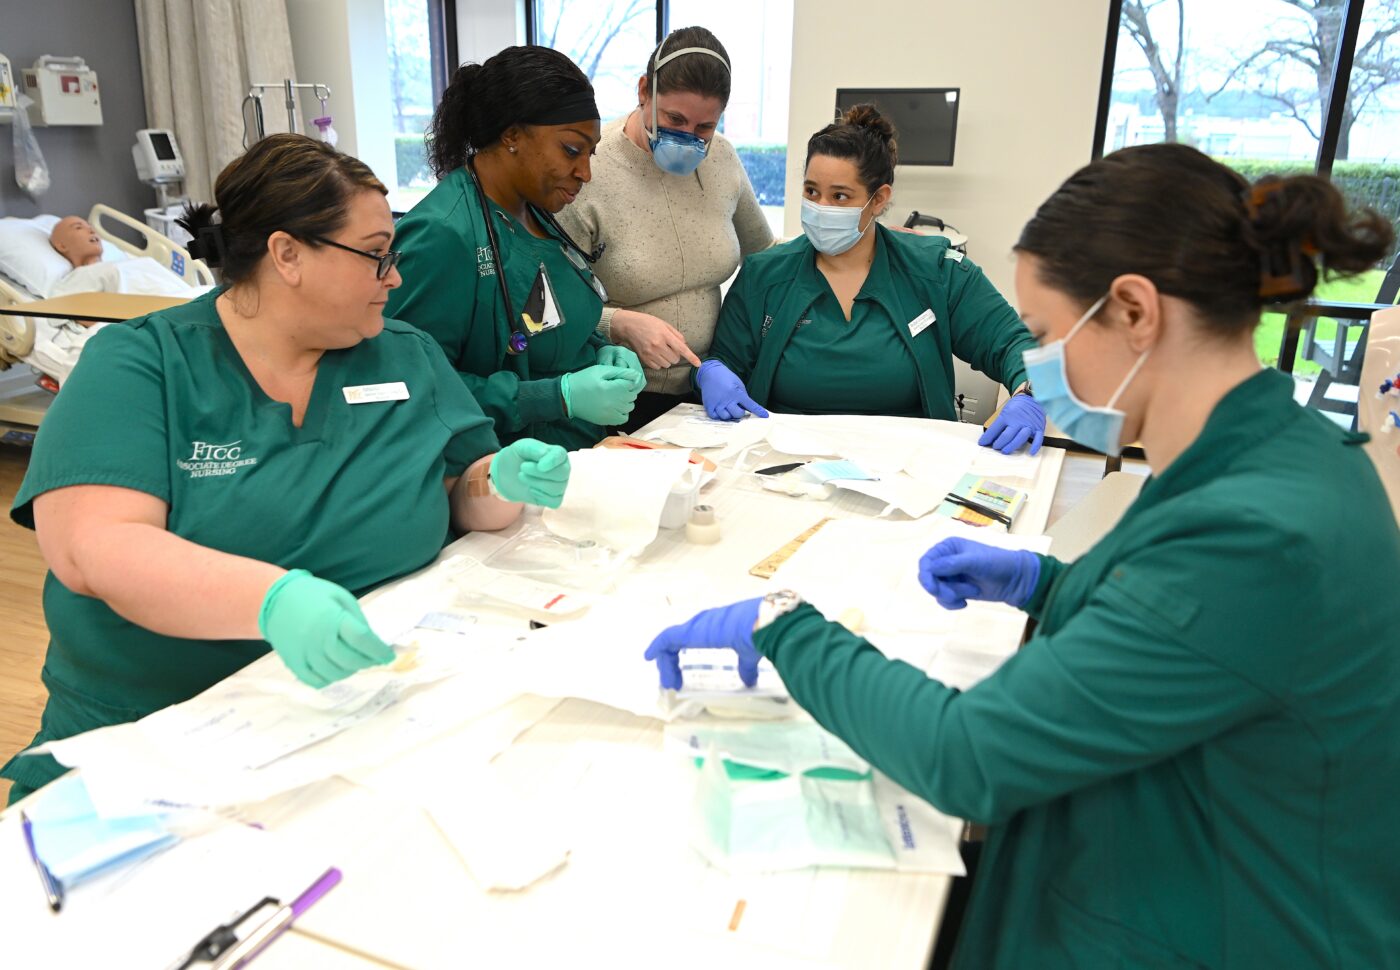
(160, 143)
(925, 119)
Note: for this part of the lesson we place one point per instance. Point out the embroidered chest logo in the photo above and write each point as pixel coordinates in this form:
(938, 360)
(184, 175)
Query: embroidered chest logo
(767, 325)
(485, 261)
(208, 460)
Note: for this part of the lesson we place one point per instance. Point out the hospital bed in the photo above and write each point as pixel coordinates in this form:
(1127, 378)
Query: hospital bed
(22, 402)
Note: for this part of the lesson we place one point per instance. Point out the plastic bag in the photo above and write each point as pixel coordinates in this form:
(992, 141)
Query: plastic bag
(31, 171)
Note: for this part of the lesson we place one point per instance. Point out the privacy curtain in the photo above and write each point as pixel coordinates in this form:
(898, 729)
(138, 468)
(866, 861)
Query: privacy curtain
(198, 58)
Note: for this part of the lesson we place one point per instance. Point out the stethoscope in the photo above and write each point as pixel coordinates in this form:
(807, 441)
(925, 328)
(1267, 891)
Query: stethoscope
(519, 340)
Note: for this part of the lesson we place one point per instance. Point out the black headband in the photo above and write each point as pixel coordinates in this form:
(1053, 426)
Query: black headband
(576, 107)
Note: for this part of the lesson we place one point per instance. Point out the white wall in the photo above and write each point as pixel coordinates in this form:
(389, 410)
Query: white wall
(344, 43)
(1029, 72)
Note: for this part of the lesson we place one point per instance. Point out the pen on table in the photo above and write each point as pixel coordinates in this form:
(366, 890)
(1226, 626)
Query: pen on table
(990, 513)
(53, 889)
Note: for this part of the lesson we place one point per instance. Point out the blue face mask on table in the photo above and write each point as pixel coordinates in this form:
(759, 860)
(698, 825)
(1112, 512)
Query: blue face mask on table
(832, 229)
(1098, 428)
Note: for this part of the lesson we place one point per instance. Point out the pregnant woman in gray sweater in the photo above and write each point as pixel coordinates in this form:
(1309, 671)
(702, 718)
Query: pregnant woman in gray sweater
(673, 211)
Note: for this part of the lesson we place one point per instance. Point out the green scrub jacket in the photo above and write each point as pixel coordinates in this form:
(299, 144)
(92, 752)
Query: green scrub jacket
(165, 405)
(1195, 762)
(450, 291)
(912, 274)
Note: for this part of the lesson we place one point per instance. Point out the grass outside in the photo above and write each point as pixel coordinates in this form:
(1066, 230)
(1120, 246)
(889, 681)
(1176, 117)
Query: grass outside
(1360, 289)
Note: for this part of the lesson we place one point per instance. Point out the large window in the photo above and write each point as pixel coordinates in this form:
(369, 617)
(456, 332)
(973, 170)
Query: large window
(420, 50)
(1256, 84)
(612, 40)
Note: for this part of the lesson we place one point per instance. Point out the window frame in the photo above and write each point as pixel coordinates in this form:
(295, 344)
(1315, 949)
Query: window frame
(1336, 97)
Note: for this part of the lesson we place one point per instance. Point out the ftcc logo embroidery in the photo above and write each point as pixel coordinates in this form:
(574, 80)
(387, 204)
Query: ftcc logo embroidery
(207, 460)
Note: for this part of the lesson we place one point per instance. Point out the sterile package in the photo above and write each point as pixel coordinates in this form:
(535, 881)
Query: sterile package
(766, 750)
(538, 554)
(476, 584)
(615, 496)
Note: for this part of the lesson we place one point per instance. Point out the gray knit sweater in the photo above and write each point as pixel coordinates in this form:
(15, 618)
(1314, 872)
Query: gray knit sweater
(671, 240)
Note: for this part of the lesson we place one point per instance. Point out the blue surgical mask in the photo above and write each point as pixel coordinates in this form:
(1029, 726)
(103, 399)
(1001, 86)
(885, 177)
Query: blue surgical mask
(676, 152)
(833, 229)
(1098, 428)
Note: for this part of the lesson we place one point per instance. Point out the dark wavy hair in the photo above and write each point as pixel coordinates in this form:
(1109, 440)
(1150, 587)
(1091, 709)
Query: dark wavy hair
(286, 182)
(1200, 232)
(865, 137)
(483, 100)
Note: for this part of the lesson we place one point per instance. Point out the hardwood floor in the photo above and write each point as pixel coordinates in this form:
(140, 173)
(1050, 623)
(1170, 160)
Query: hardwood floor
(23, 635)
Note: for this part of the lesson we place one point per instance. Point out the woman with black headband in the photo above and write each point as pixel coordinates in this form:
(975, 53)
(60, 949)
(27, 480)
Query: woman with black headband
(487, 270)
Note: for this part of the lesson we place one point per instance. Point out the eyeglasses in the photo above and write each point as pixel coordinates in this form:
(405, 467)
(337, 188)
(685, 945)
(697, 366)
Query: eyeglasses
(387, 260)
(580, 265)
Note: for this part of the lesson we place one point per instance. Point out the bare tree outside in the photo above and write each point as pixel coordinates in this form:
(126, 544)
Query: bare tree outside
(608, 23)
(1167, 67)
(1308, 43)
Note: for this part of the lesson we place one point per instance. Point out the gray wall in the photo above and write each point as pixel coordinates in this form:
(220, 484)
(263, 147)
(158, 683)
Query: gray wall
(86, 164)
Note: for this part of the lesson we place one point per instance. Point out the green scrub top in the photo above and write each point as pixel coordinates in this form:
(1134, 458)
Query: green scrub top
(933, 301)
(815, 375)
(165, 405)
(450, 291)
(1193, 763)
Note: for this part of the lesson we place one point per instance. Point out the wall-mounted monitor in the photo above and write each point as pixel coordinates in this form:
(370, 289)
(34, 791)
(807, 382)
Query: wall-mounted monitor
(925, 119)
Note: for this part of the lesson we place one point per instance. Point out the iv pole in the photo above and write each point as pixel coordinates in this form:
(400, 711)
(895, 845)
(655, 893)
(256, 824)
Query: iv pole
(322, 92)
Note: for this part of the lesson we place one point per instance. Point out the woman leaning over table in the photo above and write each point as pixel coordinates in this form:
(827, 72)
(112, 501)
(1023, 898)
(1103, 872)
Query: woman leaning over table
(491, 274)
(229, 474)
(1193, 761)
(673, 213)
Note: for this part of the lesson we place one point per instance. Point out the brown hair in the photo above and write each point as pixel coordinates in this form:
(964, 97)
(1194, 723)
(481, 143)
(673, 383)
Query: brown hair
(864, 136)
(694, 73)
(1200, 232)
(285, 182)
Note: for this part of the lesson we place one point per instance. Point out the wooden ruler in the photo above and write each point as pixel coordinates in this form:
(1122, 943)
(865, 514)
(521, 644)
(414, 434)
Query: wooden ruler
(769, 566)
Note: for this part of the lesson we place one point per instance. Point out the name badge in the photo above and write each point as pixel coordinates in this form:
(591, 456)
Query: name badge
(369, 393)
(921, 323)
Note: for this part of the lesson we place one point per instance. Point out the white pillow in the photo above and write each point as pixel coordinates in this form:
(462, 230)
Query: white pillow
(27, 257)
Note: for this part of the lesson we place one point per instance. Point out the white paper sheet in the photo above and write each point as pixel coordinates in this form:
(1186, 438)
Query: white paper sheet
(615, 496)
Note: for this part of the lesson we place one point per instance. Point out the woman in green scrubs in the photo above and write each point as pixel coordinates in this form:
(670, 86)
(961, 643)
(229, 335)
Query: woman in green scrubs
(852, 318)
(231, 473)
(1193, 762)
(511, 299)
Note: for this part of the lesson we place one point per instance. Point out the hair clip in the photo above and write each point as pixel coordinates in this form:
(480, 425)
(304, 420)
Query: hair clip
(208, 245)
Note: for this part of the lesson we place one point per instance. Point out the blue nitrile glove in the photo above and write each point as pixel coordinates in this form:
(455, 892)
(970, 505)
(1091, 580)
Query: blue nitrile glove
(1020, 420)
(612, 355)
(601, 394)
(531, 471)
(958, 570)
(724, 394)
(317, 629)
(722, 627)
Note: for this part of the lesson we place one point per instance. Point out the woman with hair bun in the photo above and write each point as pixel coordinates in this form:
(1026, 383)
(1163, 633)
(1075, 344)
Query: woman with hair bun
(228, 475)
(491, 274)
(852, 318)
(1189, 763)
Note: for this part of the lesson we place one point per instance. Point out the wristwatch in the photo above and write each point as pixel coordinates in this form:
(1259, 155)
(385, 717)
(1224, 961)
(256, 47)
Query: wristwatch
(1025, 388)
(774, 605)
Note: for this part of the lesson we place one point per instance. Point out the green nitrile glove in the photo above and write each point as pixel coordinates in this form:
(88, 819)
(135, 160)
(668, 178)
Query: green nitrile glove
(317, 629)
(531, 471)
(600, 394)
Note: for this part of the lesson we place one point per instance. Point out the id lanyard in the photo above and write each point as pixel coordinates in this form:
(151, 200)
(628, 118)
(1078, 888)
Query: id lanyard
(519, 340)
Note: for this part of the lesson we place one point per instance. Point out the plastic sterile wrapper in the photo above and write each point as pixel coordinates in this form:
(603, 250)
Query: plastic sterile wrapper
(31, 171)
(712, 684)
(771, 750)
(537, 554)
(478, 586)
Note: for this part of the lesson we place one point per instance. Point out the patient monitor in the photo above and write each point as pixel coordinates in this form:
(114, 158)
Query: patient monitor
(157, 157)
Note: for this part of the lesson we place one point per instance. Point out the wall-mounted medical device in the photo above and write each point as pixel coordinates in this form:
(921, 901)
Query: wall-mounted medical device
(7, 90)
(64, 90)
(157, 157)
